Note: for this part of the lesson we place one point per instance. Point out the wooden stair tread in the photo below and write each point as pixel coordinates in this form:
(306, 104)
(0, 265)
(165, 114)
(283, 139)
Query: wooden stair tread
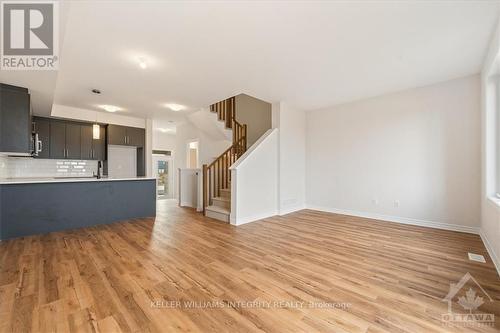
(221, 199)
(218, 209)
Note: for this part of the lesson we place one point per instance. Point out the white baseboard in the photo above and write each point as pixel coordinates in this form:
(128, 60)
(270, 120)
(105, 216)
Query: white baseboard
(187, 204)
(490, 250)
(398, 219)
(253, 218)
(288, 210)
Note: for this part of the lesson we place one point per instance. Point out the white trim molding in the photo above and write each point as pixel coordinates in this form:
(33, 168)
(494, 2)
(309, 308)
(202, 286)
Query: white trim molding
(253, 218)
(398, 219)
(289, 210)
(489, 248)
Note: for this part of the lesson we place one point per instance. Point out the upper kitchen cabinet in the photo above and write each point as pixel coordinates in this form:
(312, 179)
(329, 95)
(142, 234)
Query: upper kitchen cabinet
(126, 136)
(41, 126)
(15, 120)
(100, 145)
(65, 140)
(86, 142)
(135, 136)
(117, 135)
(92, 149)
(73, 141)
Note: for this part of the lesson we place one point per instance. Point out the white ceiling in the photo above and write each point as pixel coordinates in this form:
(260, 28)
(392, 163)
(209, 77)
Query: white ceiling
(308, 54)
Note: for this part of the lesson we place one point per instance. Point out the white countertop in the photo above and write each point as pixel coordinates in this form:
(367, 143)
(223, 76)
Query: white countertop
(6, 181)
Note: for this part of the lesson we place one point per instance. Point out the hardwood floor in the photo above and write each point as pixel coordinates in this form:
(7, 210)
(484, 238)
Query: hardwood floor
(304, 272)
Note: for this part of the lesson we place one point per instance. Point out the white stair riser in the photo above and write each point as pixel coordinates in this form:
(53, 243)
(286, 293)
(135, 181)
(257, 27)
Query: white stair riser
(225, 194)
(221, 203)
(218, 216)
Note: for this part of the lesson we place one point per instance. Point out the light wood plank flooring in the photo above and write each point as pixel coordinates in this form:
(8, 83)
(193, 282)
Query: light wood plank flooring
(128, 276)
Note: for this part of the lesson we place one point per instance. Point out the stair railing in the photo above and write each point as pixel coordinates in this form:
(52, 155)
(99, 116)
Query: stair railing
(216, 175)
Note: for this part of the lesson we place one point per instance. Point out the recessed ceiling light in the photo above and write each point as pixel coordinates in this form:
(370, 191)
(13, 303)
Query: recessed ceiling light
(175, 107)
(165, 130)
(110, 108)
(142, 63)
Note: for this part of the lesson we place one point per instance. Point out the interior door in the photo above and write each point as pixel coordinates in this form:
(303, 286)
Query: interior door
(73, 141)
(163, 171)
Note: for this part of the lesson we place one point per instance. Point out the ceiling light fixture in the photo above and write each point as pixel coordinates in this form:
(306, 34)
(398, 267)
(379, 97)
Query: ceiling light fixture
(142, 63)
(110, 108)
(165, 130)
(96, 129)
(175, 107)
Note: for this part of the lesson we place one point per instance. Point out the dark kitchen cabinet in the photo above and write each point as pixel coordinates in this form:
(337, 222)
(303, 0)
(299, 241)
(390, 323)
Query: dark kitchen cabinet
(135, 136)
(117, 135)
(87, 144)
(15, 120)
(65, 140)
(41, 127)
(100, 145)
(73, 139)
(126, 136)
(92, 149)
(57, 139)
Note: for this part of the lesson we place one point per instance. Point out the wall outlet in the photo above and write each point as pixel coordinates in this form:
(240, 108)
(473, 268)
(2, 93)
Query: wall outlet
(396, 203)
(375, 202)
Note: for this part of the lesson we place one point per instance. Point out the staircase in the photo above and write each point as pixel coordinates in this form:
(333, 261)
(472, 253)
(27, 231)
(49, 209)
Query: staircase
(216, 175)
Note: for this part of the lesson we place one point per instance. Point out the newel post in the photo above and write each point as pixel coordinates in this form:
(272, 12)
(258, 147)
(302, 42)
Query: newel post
(204, 180)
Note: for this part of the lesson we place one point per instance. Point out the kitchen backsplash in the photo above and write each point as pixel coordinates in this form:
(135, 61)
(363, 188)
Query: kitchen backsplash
(23, 167)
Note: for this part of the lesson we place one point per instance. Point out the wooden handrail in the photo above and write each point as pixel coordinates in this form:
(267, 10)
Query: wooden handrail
(216, 175)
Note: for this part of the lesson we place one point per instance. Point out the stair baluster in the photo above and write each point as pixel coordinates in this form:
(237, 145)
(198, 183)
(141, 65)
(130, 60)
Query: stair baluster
(216, 175)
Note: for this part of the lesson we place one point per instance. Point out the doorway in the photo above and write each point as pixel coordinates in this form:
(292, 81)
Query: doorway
(192, 155)
(163, 171)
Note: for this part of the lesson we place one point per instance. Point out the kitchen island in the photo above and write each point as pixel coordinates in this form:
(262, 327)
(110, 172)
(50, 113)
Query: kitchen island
(33, 206)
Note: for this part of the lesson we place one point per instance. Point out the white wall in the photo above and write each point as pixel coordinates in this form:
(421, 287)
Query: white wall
(411, 157)
(292, 153)
(163, 141)
(490, 208)
(69, 112)
(190, 193)
(209, 149)
(254, 181)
